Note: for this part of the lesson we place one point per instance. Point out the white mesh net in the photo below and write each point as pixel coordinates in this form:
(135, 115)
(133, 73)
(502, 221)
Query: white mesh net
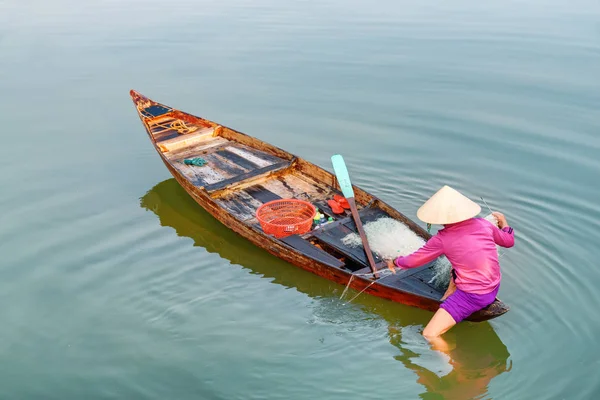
(390, 238)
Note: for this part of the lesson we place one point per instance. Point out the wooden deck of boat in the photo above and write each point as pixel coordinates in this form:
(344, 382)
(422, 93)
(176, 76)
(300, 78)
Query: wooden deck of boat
(227, 163)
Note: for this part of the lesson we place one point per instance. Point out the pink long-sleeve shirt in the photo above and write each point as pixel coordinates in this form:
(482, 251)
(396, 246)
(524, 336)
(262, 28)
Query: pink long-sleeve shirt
(470, 246)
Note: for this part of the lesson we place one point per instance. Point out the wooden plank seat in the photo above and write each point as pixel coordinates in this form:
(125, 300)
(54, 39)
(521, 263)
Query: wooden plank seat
(183, 141)
(199, 150)
(309, 249)
(262, 194)
(229, 166)
(248, 178)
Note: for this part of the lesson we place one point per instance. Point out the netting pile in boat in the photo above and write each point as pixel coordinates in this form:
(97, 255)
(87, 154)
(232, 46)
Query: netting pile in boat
(390, 238)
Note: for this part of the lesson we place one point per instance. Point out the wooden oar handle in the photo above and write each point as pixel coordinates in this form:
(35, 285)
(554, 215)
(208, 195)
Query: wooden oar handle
(363, 236)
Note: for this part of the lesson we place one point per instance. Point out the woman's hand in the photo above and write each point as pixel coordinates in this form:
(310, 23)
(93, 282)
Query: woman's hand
(501, 219)
(391, 265)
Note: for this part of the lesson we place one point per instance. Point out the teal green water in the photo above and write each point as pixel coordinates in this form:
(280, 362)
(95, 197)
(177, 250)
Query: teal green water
(115, 284)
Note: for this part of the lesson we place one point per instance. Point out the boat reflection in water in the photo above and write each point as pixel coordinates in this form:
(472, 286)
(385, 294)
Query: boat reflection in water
(477, 354)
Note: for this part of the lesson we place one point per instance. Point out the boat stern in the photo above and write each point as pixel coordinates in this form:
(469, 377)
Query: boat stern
(494, 310)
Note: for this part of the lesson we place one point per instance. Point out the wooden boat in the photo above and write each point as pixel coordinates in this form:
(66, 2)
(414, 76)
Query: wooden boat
(243, 172)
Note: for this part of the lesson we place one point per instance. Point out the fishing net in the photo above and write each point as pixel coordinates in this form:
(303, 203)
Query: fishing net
(390, 238)
(441, 275)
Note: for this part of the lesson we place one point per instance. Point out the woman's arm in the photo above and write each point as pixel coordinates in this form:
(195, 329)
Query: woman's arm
(505, 236)
(430, 251)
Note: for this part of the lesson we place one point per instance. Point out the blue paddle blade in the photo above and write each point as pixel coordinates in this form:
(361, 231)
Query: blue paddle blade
(341, 172)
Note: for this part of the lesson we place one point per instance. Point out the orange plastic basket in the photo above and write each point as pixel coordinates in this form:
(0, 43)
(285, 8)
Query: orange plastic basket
(286, 217)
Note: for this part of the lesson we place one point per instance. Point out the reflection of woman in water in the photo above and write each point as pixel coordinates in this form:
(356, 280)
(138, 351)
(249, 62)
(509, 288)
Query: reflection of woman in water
(478, 357)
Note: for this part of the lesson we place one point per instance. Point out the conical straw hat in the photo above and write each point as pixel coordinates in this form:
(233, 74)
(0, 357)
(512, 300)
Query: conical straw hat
(447, 206)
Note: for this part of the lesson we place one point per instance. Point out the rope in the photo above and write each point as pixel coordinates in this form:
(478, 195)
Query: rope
(359, 293)
(347, 286)
(384, 274)
(179, 126)
(182, 128)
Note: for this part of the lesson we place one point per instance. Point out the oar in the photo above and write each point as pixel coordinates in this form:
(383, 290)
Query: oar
(341, 172)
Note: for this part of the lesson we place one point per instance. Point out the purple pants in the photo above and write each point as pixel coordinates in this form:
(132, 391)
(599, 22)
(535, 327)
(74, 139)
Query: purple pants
(462, 304)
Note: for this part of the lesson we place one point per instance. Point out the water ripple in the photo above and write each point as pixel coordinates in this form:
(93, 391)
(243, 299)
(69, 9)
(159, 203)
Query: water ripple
(109, 297)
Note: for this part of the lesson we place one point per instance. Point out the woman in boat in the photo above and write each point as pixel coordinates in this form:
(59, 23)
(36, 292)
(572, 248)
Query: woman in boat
(470, 245)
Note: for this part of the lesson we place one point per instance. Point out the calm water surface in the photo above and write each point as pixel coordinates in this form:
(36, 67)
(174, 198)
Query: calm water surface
(115, 284)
